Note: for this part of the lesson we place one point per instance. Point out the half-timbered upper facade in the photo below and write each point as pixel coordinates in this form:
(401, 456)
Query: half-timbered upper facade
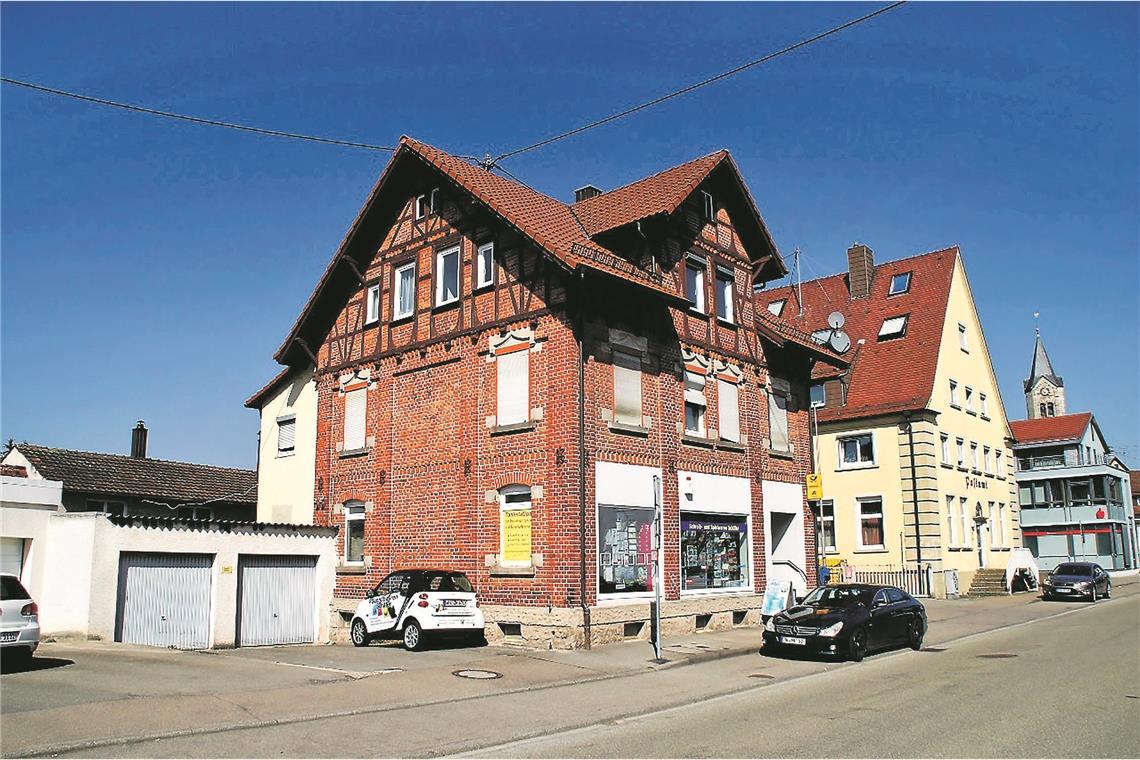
(507, 384)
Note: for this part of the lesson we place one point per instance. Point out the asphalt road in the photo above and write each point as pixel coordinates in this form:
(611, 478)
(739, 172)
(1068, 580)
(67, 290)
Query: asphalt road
(1068, 687)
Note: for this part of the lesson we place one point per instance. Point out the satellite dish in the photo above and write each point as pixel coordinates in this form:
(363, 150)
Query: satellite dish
(840, 342)
(835, 320)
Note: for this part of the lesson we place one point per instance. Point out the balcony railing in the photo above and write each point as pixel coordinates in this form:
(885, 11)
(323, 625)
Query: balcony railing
(1084, 515)
(1041, 463)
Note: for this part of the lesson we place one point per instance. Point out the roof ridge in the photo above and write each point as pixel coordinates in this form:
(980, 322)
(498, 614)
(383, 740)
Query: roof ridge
(651, 176)
(877, 265)
(130, 458)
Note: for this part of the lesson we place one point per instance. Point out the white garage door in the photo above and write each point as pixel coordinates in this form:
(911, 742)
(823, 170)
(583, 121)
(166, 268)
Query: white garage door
(164, 599)
(277, 600)
(12, 555)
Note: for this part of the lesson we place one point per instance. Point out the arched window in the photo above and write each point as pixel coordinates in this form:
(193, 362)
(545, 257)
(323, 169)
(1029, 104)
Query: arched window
(514, 526)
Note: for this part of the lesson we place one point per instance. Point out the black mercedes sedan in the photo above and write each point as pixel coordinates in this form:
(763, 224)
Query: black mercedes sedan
(848, 620)
(1077, 580)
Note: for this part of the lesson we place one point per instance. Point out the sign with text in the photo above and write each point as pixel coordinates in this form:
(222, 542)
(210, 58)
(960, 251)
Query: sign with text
(814, 486)
(516, 535)
(776, 597)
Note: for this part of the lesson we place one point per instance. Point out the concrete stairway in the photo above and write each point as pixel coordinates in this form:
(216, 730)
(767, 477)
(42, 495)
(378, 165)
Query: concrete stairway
(988, 581)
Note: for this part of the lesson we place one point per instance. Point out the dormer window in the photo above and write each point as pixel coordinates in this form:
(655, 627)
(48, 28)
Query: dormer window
(710, 206)
(821, 336)
(776, 308)
(893, 327)
(900, 283)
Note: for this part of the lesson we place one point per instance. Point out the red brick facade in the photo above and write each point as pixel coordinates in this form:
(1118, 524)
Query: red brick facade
(436, 458)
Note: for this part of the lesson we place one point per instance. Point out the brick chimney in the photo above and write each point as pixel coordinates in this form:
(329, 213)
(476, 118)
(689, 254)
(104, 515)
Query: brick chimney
(860, 268)
(138, 441)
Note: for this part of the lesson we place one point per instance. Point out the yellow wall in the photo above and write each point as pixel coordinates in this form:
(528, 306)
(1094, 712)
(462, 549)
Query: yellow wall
(285, 483)
(890, 476)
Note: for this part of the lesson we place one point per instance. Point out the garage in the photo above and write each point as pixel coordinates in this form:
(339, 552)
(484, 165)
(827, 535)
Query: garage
(164, 599)
(12, 556)
(276, 600)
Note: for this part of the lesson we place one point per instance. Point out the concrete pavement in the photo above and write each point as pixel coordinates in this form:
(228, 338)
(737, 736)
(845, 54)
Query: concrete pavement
(119, 700)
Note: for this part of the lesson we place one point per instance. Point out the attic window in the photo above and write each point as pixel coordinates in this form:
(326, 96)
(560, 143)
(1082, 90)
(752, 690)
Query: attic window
(900, 283)
(710, 207)
(776, 308)
(821, 336)
(893, 327)
(427, 203)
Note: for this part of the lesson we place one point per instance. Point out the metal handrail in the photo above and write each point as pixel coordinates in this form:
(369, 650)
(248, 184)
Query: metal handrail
(792, 565)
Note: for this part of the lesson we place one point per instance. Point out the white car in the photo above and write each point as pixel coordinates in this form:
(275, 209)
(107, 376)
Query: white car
(19, 619)
(416, 604)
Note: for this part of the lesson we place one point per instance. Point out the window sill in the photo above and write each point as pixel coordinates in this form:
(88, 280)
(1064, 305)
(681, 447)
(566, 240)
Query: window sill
(445, 305)
(516, 427)
(284, 454)
(726, 323)
(959, 548)
(370, 322)
(956, 406)
(700, 312)
(985, 417)
(727, 445)
(963, 468)
(498, 571)
(626, 428)
(484, 286)
(401, 320)
(693, 440)
(778, 454)
(999, 548)
(871, 550)
(971, 412)
(353, 453)
(861, 466)
(351, 569)
(948, 466)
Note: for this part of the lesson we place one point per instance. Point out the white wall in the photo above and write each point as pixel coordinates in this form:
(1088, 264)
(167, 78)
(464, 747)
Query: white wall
(25, 506)
(285, 482)
(787, 498)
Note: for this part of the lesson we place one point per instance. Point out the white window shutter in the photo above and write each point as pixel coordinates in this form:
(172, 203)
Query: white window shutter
(728, 406)
(513, 387)
(627, 388)
(286, 435)
(778, 421)
(355, 410)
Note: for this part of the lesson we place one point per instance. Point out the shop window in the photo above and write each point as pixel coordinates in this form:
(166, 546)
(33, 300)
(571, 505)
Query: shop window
(827, 524)
(1104, 545)
(856, 451)
(513, 384)
(354, 533)
(625, 554)
(695, 403)
(627, 388)
(514, 526)
(714, 551)
(871, 534)
(1031, 545)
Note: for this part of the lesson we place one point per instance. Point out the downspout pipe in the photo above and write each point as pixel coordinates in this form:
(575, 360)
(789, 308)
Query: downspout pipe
(914, 491)
(581, 320)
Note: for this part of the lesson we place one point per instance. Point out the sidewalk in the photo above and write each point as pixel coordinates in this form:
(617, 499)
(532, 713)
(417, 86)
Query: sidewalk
(104, 694)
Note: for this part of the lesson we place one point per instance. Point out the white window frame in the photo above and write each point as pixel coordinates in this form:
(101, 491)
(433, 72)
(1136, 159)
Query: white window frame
(859, 502)
(974, 457)
(961, 446)
(485, 253)
(695, 385)
(630, 368)
(963, 338)
(825, 519)
(356, 444)
(511, 506)
(945, 444)
(969, 400)
(987, 465)
(776, 308)
(983, 407)
(289, 450)
(372, 304)
(421, 206)
(894, 327)
(440, 256)
(954, 402)
(353, 512)
(999, 463)
(698, 266)
(728, 408)
(709, 206)
(503, 393)
(964, 515)
(859, 465)
(952, 523)
(433, 201)
(725, 289)
(774, 395)
(906, 286)
(821, 336)
(397, 291)
(822, 401)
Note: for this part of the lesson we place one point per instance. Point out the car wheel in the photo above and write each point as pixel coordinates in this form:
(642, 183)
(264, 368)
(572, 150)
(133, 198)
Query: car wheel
(1092, 594)
(1108, 591)
(413, 636)
(359, 634)
(914, 637)
(857, 647)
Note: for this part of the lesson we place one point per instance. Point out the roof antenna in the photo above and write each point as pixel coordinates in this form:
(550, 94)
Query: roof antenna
(799, 280)
(487, 162)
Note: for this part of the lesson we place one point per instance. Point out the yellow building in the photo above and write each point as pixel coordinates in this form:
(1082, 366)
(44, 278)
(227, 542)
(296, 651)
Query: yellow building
(287, 447)
(913, 443)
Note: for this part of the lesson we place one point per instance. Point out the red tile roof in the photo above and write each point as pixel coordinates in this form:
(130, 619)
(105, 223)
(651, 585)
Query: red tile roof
(886, 376)
(1067, 427)
(563, 231)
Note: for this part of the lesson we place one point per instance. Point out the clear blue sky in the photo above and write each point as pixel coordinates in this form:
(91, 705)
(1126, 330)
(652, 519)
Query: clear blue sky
(151, 268)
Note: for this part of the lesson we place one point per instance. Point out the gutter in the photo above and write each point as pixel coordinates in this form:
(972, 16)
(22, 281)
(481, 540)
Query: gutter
(582, 457)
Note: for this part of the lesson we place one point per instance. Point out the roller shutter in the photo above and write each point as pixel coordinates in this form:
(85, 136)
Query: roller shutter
(164, 599)
(276, 600)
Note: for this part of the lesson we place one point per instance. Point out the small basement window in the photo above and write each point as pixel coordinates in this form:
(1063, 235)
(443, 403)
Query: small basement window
(893, 327)
(511, 630)
(900, 283)
(739, 616)
(703, 621)
(633, 630)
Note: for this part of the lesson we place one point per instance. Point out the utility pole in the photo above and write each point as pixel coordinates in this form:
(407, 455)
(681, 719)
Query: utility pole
(656, 548)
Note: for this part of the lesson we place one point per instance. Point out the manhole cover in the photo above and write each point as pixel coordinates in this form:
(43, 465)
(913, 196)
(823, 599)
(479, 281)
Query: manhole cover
(761, 675)
(478, 675)
(933, 649)
(996, 656)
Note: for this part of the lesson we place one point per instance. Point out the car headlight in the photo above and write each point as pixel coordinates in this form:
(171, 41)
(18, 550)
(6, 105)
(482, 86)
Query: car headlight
(770, 625)
(832, 630)
(1084, 584)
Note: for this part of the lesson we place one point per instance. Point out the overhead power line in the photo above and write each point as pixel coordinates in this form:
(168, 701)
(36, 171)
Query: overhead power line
(194, 119)
(702, 83)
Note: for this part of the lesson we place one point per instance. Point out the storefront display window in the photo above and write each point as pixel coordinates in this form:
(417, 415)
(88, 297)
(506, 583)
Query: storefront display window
(714, 551)
(625, 550)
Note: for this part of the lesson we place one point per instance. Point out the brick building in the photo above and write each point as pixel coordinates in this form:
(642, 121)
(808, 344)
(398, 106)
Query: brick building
(502, 376)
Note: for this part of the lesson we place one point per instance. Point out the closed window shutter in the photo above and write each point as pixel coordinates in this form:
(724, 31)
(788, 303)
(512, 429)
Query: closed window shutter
(627, 388)
(354, 413)
(514, 387)
(286, 435)
(778, 421)
(728, 400)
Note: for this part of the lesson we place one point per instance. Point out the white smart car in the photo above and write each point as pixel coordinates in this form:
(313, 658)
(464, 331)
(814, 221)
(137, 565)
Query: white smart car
(416, 604)
(19, 619)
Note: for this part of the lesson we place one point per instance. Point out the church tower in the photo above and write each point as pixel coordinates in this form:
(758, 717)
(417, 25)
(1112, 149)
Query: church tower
(1044, 389)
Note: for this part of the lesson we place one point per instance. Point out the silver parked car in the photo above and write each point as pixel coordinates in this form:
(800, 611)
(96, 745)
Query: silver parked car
(19, 620)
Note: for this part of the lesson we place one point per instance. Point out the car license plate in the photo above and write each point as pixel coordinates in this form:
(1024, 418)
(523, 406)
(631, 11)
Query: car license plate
(9, 635)
(454, 602)
(793, 640)
(1063, 590)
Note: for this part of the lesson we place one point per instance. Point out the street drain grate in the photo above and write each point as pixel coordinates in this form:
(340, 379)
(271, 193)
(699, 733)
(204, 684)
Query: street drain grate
(933, 649)
(478, 675)
(765, 676)
(996, 656)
